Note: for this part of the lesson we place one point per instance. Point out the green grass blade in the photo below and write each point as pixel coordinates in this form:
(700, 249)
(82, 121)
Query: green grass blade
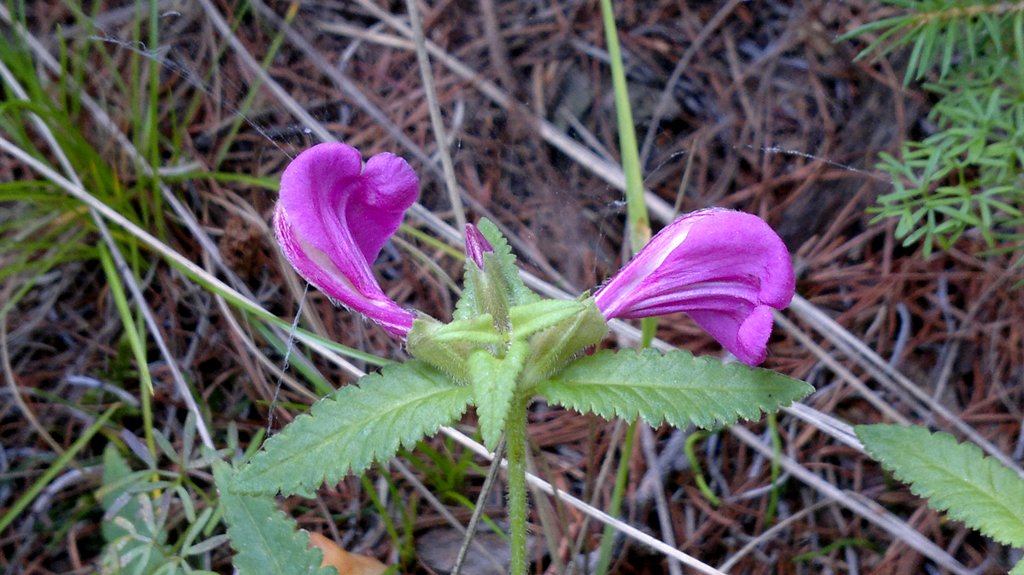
(639, 231)
(639, 221)
(136, 341)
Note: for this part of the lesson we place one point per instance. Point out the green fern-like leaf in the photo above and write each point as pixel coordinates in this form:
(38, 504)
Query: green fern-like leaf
(357, 425)
(267, 540)
(133, 543)
(675, 387)
(955, 477)
(933, 29)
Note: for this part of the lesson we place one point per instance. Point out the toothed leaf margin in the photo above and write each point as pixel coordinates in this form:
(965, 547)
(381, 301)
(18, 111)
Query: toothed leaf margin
(675, 387)
(354, 427)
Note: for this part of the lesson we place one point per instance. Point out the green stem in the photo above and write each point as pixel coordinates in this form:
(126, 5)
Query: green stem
(515, 453)
(773, 498)
(698, 473)
(639, 222)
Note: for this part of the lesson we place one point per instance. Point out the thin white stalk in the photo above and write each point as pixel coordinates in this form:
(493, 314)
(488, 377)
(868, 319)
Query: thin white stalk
(661, 502)
(831, 426)
(890, 377)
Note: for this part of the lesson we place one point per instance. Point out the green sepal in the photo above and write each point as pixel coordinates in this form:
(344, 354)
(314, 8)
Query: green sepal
(528, 319)
(354, 427)
(267, 540)
(498, 286)
(675, 387)
(494, 384)
(478, 330)
(447, 346)
(955, 477)
(553, 348)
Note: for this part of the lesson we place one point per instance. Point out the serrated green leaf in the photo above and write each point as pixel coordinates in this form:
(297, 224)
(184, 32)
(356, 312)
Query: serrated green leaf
(354, 427)
(467, 306)
(494, 384)
(530, 318)
(267, 540)
(503, 255)
(955, 477)
(1018, 569)
(675, 387)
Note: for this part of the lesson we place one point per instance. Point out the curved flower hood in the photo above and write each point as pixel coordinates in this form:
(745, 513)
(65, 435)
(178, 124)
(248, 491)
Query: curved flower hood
(332, 219)
(726, 269)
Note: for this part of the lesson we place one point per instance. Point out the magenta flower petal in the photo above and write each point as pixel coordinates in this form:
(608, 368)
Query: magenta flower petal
(726, 269)
(334, 216)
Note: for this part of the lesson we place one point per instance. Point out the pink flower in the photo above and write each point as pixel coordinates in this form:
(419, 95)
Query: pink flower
(726, 269)
(334, 216)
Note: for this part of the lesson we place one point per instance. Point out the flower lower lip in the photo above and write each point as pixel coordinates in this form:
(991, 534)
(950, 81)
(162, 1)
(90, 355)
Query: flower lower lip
(333, 218)
(711, 263)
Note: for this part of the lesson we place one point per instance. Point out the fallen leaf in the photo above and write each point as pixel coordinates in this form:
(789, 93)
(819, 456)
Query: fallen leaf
(346, 563)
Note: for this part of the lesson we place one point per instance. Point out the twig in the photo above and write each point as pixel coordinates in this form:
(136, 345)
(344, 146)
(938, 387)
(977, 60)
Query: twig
(661, 503)
(485, 491)
(768, 534)
(427, 76)
(866, 509)
(666, 93)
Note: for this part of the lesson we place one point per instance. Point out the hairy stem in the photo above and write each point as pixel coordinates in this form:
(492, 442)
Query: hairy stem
(515, 446)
